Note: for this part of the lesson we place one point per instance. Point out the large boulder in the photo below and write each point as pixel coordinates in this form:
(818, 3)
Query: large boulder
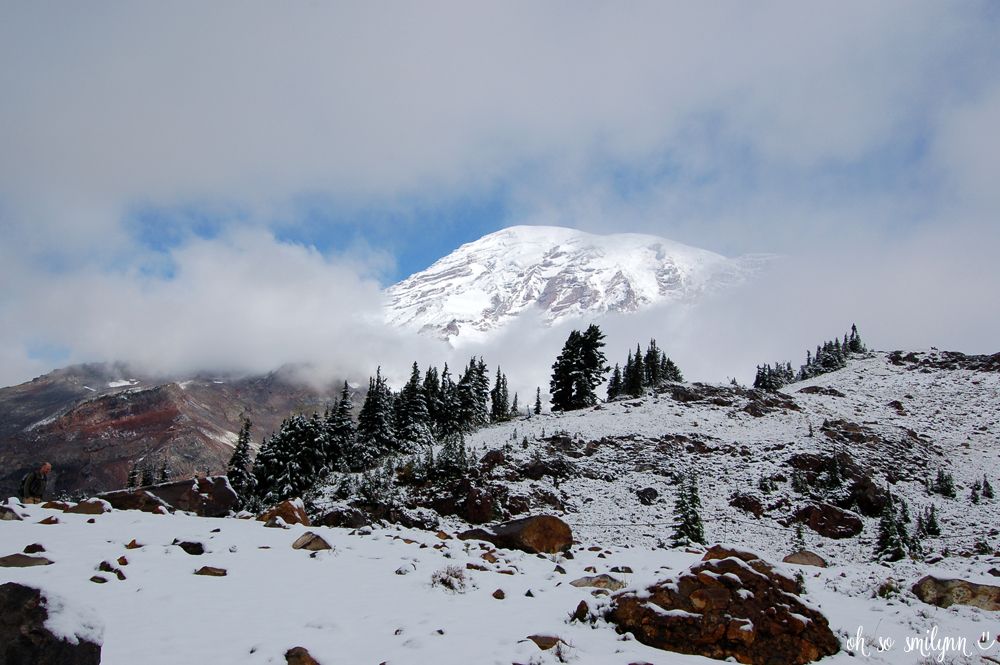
(344, 516)
(805, 558)
(732, 604)
(206, 497)
(24, 638)
(291, 511)
(945, 593)
(867, 495)
(830, 521)
(92, 506)
(539, 534)
(137, 499)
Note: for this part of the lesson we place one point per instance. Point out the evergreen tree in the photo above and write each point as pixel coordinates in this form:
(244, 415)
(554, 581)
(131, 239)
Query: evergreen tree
(931, 526)
(651, 365)
(376, 437)
(432, 395)
(987, 489)
(500, 399)
(163, 475)
(133, 477)
(239, 469)
(292, 460)
(854, 343)
(974, 494)
(453, 461)
(944, 484)
(892, 541)
(669, 371)
(578, 370)
(341, 433)
(147, 475)
(633, 381)
(688, 526)
(615, 383)
(515, 410)
(538, 401)
(413, 419)
(451, 417)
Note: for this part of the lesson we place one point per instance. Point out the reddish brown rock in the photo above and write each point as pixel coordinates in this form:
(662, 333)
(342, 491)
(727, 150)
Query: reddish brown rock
(211, 571)
(136, 500)
(830, 521)
(539, 534)
(945, 593)
(34, 548)
(479, 506)
(24, 637)
(291, 511)
(206, 497)
(132, 545)
(89, 507)
(602, 581)
(499, 594)
(299, 656)
(545, 642)
(732, 604)
(55, 505)
(50, 520)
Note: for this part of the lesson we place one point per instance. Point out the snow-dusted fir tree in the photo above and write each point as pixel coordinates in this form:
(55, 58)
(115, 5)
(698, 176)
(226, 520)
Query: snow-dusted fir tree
(615, 383)
(432, 395)
(893, 542)
(473, 396)
(578, 370)
(987, 489)
(538, 401)
(376, 435)
(634, 377)
(239, 470)
(413, 420)
(500, 399)
(688, 527)
(341, 432)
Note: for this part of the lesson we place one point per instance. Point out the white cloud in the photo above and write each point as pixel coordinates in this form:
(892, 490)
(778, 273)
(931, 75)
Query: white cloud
(856, 137)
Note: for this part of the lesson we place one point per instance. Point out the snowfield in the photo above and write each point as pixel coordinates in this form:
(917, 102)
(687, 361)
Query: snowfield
(371, 599)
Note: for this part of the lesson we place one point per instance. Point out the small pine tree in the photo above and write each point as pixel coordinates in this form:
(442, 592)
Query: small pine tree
(891, 543)
(538, 401)
(688, 526)
(799, 483)
(238, 471)
(974, 493)
(799, 543)
(453, 460)
(615, 383)
(133, 477)
(987, 489)
(931, 526)
(148, 477)
(944, 484)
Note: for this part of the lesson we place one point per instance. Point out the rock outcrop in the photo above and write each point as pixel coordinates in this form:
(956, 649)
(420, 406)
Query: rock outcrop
(25, 639)
(206, 497)
(830, 521)
(291, 511)
(945, 593)
(539, 534)
(732, 604)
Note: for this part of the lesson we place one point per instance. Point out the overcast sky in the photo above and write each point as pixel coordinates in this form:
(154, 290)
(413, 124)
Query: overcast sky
(229, 185)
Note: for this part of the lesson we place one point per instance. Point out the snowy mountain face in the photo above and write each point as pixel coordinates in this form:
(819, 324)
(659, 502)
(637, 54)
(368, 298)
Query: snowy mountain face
(559, 273)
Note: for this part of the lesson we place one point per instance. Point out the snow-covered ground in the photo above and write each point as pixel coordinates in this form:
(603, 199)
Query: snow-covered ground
(353, 604)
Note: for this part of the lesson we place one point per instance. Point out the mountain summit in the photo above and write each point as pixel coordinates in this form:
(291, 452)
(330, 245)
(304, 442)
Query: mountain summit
(558, 272)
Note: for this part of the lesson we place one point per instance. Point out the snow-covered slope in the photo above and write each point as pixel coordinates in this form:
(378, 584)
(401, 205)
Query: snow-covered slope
(559, 272)
(371, 599)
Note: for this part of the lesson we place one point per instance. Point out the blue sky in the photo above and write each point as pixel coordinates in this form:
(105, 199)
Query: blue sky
(163, 162)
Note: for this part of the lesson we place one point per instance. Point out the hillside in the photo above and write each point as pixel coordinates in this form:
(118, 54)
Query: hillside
(894, 419)
(95, 421)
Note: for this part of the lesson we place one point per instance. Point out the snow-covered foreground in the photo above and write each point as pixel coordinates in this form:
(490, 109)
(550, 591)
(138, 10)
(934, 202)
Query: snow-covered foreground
(350, 605)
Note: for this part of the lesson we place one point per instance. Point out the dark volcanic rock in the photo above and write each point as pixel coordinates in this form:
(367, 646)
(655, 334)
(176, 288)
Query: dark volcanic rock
(346, 517)
(747, 503)
(25, 639)
(647, 496)
(830, 521)
(732, 604)
(821, 390)
(541, 533)
(949, 360)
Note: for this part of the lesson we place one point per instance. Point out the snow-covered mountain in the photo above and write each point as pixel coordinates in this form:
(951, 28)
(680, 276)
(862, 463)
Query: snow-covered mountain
(558, 272)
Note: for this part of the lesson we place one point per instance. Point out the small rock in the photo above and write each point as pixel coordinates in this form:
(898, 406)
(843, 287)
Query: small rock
(276, 522)
(132, 545)
(622, 569)
(528, 594)
(9, 514)
(299, 656)
(34, 548)
(194, 549)
(55, 505)
(23, 561)
(52, 519)
(122, 561)
(602, 581)
(98, 579)
(581, 612)
(805, 558)
(647, 496)
(443, 536)
(310, 541)
(211, 571)
(560, 570)
(545, 642)
(499, 594)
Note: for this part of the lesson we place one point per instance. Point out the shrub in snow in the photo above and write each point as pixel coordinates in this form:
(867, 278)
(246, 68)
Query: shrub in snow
(451, 578)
